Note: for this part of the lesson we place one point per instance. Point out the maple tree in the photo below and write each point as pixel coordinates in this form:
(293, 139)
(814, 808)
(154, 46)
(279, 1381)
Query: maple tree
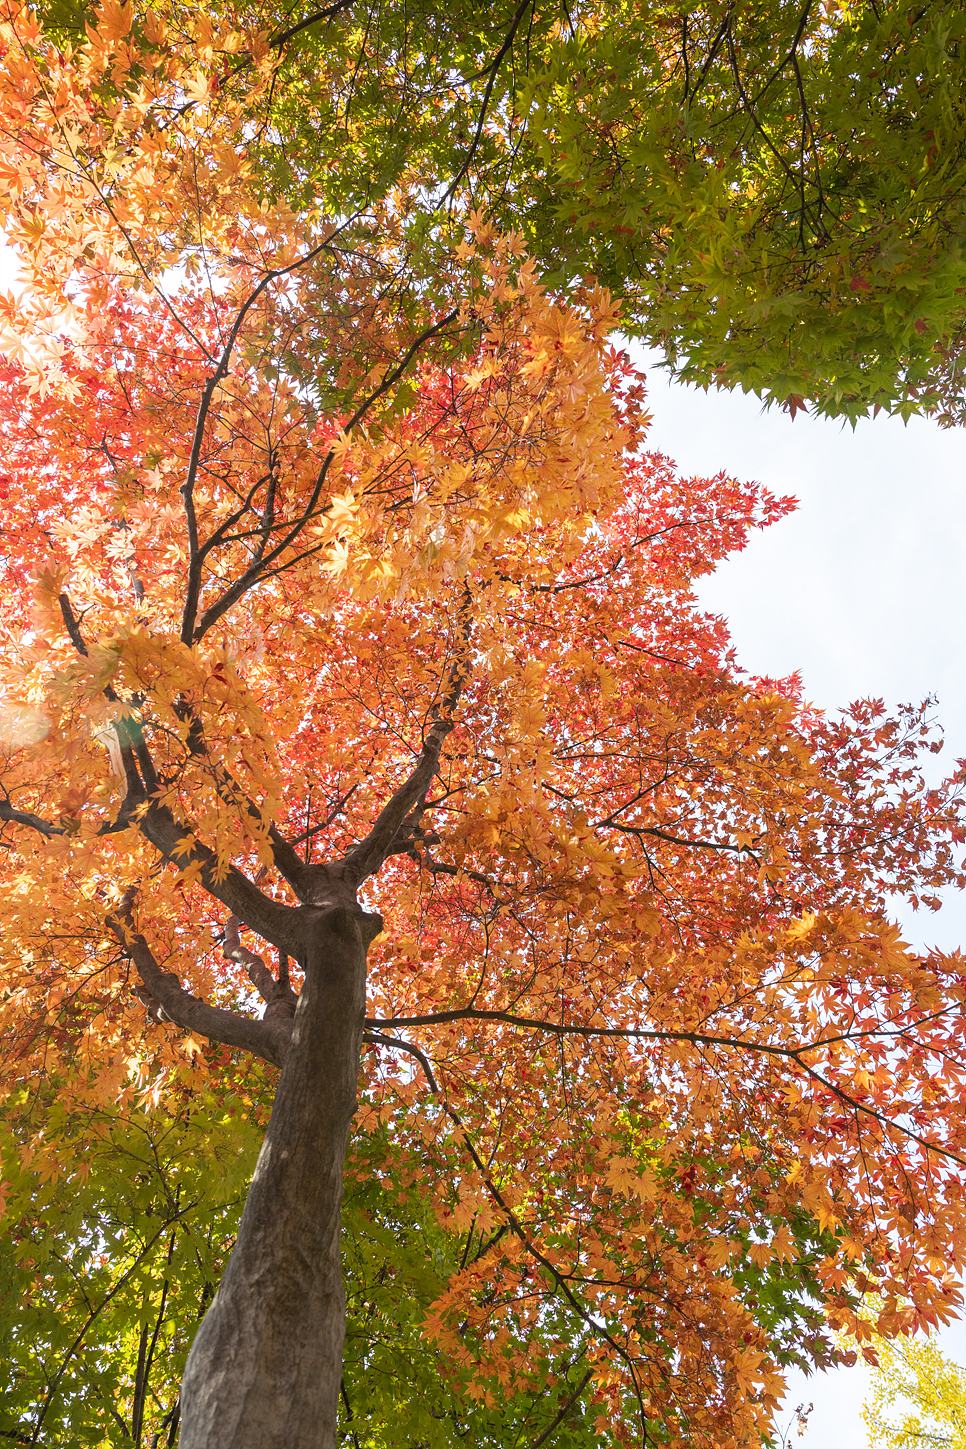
(323, 595)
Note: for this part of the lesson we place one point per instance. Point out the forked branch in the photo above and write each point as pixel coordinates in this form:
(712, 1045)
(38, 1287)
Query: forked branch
(280, 1000)
(262, 566)
(167, 1000)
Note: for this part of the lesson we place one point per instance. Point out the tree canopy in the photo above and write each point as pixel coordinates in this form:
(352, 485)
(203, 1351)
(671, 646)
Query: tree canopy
(918, 1397)
(774, 191)
(353, 675)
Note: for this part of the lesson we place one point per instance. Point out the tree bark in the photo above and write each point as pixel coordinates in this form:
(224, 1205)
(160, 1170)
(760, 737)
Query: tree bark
(265, 1368)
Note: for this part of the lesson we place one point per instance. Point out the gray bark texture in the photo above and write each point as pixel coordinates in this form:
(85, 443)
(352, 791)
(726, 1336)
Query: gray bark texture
(265, 1368)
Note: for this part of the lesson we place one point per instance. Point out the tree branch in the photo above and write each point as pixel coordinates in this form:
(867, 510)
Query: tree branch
(401, 815)
(167, 1000)
(52, 1386)
(71, 624)
(33, 822)
(276, 922)
(696, 1038)
(564, 1410)
(279, 997)
(436, 867)
(195, 555)
(493, 68)
(640, 830)
(258, 570)
(282, 37)
(557, 1278)
(332, 816)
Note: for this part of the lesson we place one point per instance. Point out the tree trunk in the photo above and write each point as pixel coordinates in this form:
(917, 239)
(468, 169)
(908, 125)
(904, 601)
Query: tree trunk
(265, 1368)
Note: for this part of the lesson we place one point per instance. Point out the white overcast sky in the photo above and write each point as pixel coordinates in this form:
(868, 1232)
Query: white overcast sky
(863, 590)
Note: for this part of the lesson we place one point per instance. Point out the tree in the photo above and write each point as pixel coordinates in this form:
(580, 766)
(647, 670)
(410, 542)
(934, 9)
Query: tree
(420, 635)
(774, 191)
(934, 1389)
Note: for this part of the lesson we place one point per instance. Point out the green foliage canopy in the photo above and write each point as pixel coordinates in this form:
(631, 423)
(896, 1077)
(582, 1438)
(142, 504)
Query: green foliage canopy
(776, 191)
(115, 1232)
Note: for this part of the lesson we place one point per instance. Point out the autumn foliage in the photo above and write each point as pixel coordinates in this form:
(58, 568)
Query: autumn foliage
(637, 1021)
(918, 1396)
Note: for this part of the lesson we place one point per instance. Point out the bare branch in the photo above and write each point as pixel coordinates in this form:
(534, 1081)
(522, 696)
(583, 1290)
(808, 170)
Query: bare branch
(640, 830)
(405, 1046)
(696, 1038)
(618, 562)
(332, 816)
(167, 1000)
(437, 867)
(71, 624)
(258, 973)
(279, 997)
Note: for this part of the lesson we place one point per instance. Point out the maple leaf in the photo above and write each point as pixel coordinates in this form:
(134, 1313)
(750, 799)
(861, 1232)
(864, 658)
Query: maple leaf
(114, 19)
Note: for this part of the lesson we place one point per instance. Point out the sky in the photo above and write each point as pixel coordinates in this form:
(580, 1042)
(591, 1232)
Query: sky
(863, 590)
